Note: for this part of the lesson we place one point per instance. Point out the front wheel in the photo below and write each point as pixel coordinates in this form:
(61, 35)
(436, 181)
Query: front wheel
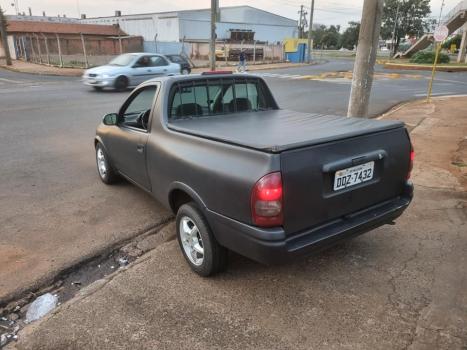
(199, 246)
(121, 83)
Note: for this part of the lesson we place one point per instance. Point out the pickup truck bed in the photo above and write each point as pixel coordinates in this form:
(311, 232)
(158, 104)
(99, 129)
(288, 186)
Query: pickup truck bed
(275, 131)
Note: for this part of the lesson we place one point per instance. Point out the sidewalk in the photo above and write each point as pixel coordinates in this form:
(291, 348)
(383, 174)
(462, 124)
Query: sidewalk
(401, 286)
(32, 68)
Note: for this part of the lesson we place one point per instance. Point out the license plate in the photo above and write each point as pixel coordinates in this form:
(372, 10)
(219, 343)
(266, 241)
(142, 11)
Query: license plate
(353, 176)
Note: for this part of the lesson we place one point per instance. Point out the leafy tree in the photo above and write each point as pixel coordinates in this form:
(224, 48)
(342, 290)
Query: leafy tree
(317, 35)
(349, 38)
(411, 19)
(453, 40)
(326, 37)
(331, 37)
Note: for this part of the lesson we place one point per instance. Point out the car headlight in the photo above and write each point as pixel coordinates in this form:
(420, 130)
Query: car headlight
(106, 76)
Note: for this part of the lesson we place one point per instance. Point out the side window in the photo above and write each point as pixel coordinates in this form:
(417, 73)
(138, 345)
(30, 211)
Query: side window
(136, 112)
(189, 101)
(158, 61)
(246, 96)
(143, 61)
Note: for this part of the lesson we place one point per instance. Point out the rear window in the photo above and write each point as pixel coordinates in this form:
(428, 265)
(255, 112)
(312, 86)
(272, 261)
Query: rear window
(218, 96)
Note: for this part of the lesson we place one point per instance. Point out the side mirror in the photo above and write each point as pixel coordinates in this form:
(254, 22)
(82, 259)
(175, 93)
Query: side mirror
(110, 119)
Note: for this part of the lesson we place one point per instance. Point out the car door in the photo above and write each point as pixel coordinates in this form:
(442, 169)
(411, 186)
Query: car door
(160, 65)
(142, 70)
(128, 144)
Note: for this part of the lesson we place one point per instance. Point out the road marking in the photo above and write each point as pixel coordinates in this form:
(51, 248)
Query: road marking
(451, 81)
(436, 94)
(5, 80)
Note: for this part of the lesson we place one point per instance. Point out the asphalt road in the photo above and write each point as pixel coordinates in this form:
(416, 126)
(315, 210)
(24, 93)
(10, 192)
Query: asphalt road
(54, 210)
(331, 96)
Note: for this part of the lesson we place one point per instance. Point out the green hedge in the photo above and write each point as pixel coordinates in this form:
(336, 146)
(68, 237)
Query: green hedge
(429, 57)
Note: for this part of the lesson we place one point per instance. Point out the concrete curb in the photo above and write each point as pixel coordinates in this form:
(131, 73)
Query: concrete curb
(441, 68)
(32, 287)
(401, 105)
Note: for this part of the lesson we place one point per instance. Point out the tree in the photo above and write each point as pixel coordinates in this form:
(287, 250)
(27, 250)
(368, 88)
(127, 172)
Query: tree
(331, 37)
(455, 40)
(411, 19)
(326, 37)
(349, 38)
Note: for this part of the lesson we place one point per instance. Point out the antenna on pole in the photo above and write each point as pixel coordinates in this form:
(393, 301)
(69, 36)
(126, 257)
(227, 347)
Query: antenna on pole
(440, 13)
(78, 8)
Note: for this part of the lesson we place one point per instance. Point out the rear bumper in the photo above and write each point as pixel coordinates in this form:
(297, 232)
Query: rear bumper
(272, 246)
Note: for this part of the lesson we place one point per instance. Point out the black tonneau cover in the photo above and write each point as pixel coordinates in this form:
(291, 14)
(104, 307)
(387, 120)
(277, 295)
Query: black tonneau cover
(279, 130)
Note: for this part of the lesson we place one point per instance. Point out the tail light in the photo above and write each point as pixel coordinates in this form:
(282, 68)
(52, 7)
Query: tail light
(412, 157)
(266, 201)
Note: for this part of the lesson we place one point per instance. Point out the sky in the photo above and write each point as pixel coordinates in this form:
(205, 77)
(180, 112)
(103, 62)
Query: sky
(326, 12)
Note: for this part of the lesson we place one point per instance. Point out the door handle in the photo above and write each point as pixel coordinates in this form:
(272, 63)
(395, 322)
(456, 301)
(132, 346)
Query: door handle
(165, 70)
(140, 148)
(149, 70)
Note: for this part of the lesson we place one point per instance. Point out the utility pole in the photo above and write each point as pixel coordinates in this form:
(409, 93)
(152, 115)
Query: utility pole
(4, 38)
(212, 44)
(301, 23)
(310, 28)
(368, 42)
(396, 20)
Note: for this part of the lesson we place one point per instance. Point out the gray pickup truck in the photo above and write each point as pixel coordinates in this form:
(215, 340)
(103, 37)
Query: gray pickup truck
(242, 174)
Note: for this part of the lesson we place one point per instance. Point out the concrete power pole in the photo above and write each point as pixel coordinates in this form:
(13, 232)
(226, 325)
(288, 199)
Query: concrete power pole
(310, 27)
(368, 41)
(212, 44)
(300, 22)
(393, 39)
(4, 38)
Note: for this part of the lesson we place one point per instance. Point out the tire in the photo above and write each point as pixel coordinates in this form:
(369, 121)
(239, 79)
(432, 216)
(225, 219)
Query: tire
(214, 257)
(106, 172)
(97, 88)
(121, 83)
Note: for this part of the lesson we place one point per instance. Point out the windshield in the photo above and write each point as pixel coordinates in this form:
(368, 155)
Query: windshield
(122, 60)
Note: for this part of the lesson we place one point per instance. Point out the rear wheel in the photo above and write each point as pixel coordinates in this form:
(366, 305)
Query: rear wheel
(121, 83)
(106, 172)
(199, 246)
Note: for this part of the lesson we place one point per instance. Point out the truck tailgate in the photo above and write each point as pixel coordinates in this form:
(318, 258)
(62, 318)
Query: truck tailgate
(313, 198)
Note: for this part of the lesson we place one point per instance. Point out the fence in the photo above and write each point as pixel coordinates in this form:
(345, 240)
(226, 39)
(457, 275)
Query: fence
(72, 50)
(167, 48)
(229, 52)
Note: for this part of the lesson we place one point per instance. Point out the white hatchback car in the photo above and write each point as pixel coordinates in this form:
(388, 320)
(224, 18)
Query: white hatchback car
(130, 69)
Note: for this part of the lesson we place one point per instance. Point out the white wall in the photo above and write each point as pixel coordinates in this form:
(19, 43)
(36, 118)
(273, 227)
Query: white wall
(165, 25)
(195, 24)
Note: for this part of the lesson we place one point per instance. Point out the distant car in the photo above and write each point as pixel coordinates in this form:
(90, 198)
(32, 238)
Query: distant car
(130, 69)
(185, 67)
